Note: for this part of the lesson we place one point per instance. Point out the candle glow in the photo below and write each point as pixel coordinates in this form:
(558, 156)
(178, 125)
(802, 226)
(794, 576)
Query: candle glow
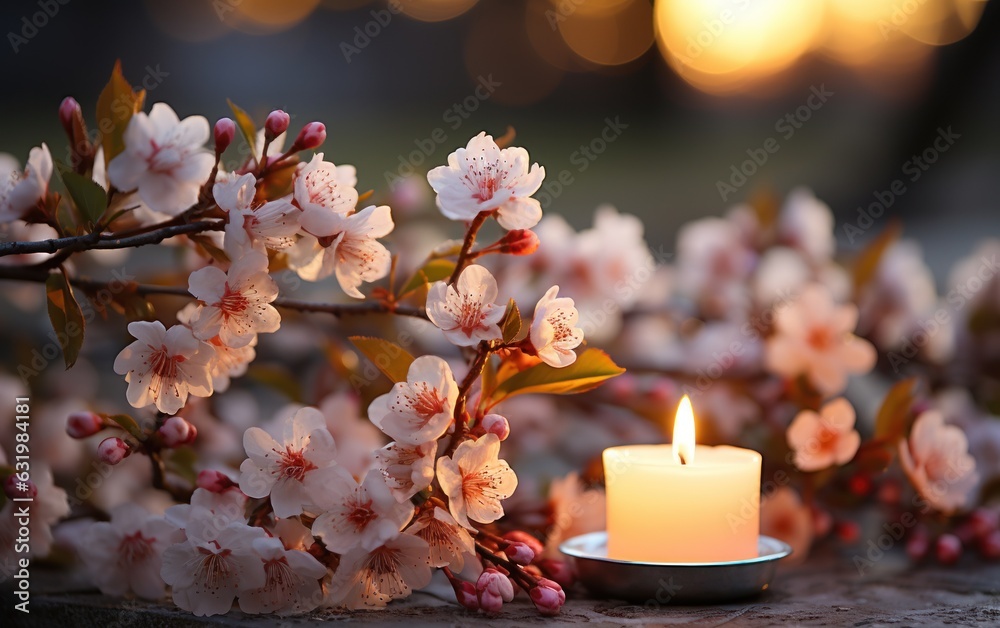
(682, 503)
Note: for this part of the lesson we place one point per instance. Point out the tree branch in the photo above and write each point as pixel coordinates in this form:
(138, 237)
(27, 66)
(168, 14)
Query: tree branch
(461, 423)
(39, 275)
(92, 241)
(470, 239)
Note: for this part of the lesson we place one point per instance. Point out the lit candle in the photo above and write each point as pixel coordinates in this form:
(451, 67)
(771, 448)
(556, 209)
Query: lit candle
(682, 503)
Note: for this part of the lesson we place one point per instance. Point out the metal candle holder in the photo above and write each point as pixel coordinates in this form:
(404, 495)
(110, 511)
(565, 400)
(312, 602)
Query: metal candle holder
(662, 583)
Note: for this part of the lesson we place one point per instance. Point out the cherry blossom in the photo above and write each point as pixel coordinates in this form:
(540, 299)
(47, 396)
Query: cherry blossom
(347, 247)
(357, 514)
(49, 505)
(321, 190)
(450, 544)
(482, 177)
(936, 459)
(237, 302)
(164, 159)
(163, 366)
(466, 312)
(371, 579)
(208, 512)
(785, 517)
(813, 338)
(575, 509)
(554, 334)
(271, 225)
(293, 470)
(407, 469)
(475, 481)
(826, 439)
(228, 361)
(713, 264)
(19, 192)
(206, 572)
(123, 555)
(806, 223)
(420, 409)
(291, 583)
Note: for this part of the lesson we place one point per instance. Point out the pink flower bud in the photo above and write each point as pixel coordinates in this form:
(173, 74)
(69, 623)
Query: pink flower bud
(989, 545)
(176, 431)
(276, 123)
(113, 450)
(67, 111)
(225, 131)
(948, 549)
(493, 589)
(984, 521)
(496, 424)
(83, 424)
(918, 543)
(548, 597)
(16, 488)
(519, 242)
(214, 481)
(519, 536)
(557, 570)
(465, 594)
(519, 553)
(311, 136)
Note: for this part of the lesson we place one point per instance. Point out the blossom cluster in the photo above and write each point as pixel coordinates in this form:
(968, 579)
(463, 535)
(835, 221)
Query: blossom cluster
(394, 462)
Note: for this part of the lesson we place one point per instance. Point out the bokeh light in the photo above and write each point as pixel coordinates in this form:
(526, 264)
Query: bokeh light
(619, 34)
(435, 10)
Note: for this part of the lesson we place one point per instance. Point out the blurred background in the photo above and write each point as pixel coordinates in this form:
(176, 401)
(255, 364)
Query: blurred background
(670, 109)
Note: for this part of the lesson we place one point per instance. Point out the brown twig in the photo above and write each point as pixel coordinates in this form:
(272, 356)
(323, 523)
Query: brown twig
(470, 240)
(40, 275)
(92, 241)
(461, 422)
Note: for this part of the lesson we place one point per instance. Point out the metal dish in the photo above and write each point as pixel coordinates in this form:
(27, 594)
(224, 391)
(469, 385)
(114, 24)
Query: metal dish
(654, 584)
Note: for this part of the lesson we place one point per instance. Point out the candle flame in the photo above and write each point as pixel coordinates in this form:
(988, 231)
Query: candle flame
(683, 444)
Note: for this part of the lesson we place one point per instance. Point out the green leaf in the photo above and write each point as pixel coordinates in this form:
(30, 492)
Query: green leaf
(116, 105)
(592, 367)
(246, 126)
(394, 361)
(277, 377)
(894, 417)
(128, 424)
(433, 270)
(66, 317)
(90, 198)
(510, 324)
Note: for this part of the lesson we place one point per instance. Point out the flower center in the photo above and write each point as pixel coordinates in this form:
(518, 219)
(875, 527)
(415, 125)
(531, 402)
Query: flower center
(232, 302)
(294, 464)
(362, 515)
(214, 569)
(278, 573)
(427, 402)
(163, 159)
(164, 365)
(820, 338)
(470, 315)
(134, 548)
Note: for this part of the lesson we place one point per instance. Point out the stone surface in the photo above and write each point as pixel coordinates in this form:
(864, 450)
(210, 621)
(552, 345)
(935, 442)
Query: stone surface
(826, 592)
